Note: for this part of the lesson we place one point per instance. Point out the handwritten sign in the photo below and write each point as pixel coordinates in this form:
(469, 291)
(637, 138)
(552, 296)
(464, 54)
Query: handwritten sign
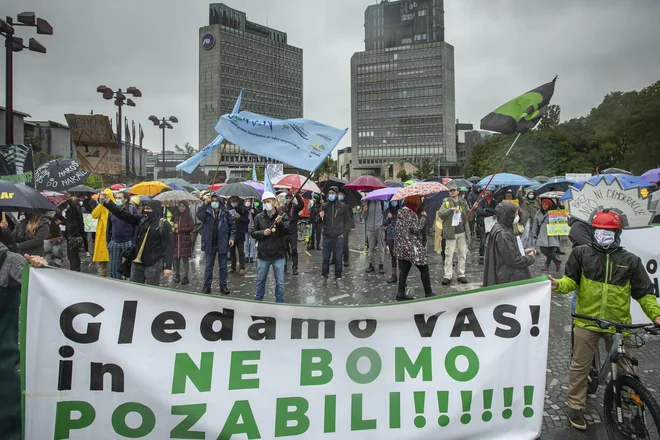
(90, 222)
(558, 224)
(513, 202)
(99, 159)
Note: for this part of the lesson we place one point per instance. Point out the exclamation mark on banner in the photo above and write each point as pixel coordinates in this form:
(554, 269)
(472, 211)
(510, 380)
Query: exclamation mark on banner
(488, 404)
(508, 402)
(535, 311)
(443, 407)
(466, 400)
(420, 420)
(395, 410)
(528, 412)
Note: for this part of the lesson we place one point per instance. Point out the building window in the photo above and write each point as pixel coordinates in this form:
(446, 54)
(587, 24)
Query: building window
(422, 13)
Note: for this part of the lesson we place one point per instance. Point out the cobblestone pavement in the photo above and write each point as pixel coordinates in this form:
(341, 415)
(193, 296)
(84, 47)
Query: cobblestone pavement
(362, 288)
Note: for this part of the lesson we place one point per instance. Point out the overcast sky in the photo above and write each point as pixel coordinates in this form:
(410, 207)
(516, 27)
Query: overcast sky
(502, 48)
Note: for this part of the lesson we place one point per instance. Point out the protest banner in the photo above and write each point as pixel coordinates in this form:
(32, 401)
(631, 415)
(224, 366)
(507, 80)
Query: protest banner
(90, 222)
(17, 164)
(275, 171)
(643, 242)
(578, 177)
(558, 223)
(96, 145)
(142, 362)
(513, 202)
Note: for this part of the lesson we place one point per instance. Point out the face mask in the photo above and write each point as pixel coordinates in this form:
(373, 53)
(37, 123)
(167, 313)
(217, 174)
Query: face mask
(150, 214)
(119, 202)
(80, 203)
(341, 197)
(247, 204)
(516, 219)
(215, 205)
(604, 237)
(530, 196)
(394, 203)
(331, 197)
(268, 206)
(234, 204)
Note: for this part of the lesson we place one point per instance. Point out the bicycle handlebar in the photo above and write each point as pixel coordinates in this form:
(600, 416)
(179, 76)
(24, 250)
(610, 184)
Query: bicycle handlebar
(605, 324)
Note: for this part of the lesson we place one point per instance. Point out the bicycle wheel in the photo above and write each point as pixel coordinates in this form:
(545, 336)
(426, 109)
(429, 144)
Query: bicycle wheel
(641, 414)
(302, 230)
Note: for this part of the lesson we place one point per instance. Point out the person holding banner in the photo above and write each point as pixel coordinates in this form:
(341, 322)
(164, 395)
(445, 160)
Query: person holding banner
(218, 236)
(606, 276)
(547, 243)
(119, 235)
(485, 210)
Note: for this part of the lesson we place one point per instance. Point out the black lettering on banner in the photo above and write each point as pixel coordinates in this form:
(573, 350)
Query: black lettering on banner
(312, 328)
(499, 315)
(424, 327)
(262, 330)
(93, 329)
(98, 370)
(226, 332)
(127, 322)
(160, 326)
(472, 324)
(369, 328)
(65, 375)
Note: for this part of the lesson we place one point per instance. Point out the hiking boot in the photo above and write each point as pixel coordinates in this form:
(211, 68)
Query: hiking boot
(429, 295)
(177, 279)
(206, 289)
(557, 265)
(346, 263)
(184, 280)
(404, 297)
(446, 282)
(371, 268)
(380, 269)
(224, 290)
(393, 279)
(576, 419)
(463, 280)
(295, 271)
(339, 283)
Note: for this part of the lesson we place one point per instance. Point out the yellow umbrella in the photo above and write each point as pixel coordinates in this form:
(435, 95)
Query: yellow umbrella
(149, 188)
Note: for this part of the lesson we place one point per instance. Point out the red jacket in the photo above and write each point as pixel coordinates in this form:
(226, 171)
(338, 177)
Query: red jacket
(182, 240)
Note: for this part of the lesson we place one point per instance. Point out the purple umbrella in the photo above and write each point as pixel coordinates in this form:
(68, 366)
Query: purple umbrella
(652, 175)
(256, 185)
(381, 194)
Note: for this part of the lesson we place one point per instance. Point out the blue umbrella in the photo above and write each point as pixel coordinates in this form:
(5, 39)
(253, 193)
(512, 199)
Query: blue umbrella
(176, 186)
(626, 181)
(503, 179)
(652, 175)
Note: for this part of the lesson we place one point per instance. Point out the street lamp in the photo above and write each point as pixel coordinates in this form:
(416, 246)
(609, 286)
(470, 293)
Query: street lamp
(120, 101)
(163, 124)
(15, 44)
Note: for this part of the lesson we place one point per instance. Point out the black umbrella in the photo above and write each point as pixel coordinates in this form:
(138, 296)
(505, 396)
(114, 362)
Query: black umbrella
(82, 189)
(461, 182)
(501, 191)
(556, 186)
(393, 184)
(236, 180)
(20, 197)
(332, 181)
(238, 190)
(615, 171)
(353, 198)
(474, 179)
(59, 175)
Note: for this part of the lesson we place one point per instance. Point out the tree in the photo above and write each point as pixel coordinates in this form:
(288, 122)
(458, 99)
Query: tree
(187, 149)
(403, 176)
(94, 181)
(551, 119)
(425, 169)
(327, 169)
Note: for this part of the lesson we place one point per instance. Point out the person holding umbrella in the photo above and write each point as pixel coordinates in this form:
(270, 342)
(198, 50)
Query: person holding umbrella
(529, 206)
(546, 243)
(30, 234)
(242, 219)
(389, 222)
(335, 217)
(375, 238)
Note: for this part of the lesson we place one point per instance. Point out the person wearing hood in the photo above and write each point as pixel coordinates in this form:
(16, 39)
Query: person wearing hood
(547, 243)
(183, 225)
(506, 260)
(349, 228)
(335, 217)
(242, 220)
(119, 235)
(529, 206)
(389, 223)
(75, 231)
(30, 234)
(410, 245)
(485, 208)
(453, 212)
(581, 233)
(155, 234)
(218, 236)
(100, 213)
(606, 277)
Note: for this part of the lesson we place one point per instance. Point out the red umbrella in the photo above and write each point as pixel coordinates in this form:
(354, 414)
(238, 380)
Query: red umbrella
(296, 181)
(117, 187)
(365, 183)
(216, 186)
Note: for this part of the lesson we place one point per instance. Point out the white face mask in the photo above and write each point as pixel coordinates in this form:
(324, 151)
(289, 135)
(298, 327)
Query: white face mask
(516, 219)
(268, 206)
(604, 237)
(234, 204)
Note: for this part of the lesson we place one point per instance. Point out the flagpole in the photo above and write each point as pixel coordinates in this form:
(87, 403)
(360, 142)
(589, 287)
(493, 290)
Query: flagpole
(224, 145)
(493, 176)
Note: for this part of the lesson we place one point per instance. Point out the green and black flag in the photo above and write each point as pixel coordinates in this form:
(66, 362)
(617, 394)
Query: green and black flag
(521, 114)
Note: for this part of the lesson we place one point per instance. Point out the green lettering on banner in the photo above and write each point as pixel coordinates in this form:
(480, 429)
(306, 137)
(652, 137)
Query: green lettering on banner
(119, 420)
(185, 367)
(403, 364)
(473, 364)
(330, 414)
(240, 411)
(308, 365)
(357, 421)
(64, 424)
(238, 368)
(375, 365)
(283, 416)
(193, 414)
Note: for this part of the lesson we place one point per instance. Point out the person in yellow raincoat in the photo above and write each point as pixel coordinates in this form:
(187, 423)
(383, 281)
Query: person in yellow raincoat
(100, 213)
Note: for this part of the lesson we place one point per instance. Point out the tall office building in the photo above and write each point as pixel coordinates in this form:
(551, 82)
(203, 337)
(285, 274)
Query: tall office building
(236, 54)
(402, 89)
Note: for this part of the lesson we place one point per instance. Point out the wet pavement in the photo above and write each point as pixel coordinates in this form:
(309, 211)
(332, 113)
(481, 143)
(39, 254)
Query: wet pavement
(358, 287)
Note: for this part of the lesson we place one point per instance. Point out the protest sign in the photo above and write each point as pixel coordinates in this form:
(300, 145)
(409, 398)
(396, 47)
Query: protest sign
(513, 202)
(558, 223)
(643, 243)
(90, 222)
(489, 222)
(578, 177)
(142, 362)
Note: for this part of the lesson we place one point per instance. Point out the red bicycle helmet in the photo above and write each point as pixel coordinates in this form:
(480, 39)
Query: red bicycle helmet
(607, 219)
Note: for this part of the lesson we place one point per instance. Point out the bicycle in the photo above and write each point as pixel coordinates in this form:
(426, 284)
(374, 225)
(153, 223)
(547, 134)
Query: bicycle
(627, 400)
(303, 226)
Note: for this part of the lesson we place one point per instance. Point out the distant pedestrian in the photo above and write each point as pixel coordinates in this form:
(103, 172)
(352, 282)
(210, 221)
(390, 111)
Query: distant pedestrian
(335, 217)
(242, 220)
(218, 235)
(101, 255)
(375, 237)
(183, 225)
(389, 222)
(293, 208)
(456, 232)
(529, 206)
(119, 234)
(75, 232)
(348, 227)
(485, 209)
(547, 243)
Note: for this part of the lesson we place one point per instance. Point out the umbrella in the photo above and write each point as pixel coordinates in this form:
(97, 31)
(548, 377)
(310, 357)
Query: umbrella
(54, 197)
(256, 185)
(382, 194)
(501, 191)
(59, 175)
(625, 180)
(149, 188)
(236, 180)
(393, 184)
(184, 183)
(238, 190)
(215, 186)
(353, 198)
(365, 183)
(409, 182)
(474, 179)
(295, 181)
(502, 179)
(552, 195)
(461, 182)
(554, 186)
(117, 187)
(82, 189)
(541, 179)
(652, 175)
(20, 197)
(177, 196)
(419, 189)
(332, 181)
(200, 186)
(175, 186)
(615, 171)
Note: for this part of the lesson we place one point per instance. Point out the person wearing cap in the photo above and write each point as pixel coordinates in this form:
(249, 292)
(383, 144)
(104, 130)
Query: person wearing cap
(155, 234)
(294, 206)
(485, 208)
(606, 277)
(335, 217)
(349, 227)
(453, 212)
(270, 229)
(546, 243)
(218, 236)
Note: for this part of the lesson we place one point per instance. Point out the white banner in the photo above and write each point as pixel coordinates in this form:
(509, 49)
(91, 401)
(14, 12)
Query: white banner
(578, 177)
(90, 222)
(637, 241)
(122, 360)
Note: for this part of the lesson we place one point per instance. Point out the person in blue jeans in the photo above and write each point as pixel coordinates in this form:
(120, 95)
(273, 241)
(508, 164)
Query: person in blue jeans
(270, 229)
(218, 235)
(335, 217)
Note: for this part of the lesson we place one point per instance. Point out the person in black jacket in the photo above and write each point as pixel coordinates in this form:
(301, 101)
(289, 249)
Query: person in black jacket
(156, 235)
(335, 217)
(293, 208)
(485, 208)
(270, 229)
(75, 232)
(242, 219)
(315, 220)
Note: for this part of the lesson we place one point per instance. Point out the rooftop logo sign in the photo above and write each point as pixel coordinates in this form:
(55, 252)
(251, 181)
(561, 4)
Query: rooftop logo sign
(208, 41)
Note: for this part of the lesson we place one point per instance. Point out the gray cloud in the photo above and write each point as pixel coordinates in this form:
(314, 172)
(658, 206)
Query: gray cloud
(502, 48)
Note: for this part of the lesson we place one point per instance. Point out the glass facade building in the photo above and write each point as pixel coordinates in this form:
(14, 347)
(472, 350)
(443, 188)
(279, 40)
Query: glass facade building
(237, 54)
